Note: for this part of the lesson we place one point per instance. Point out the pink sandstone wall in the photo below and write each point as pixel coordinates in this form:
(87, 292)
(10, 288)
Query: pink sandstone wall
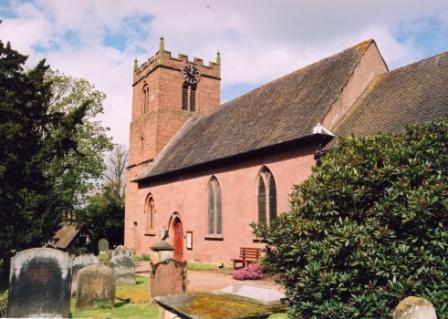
(188, 196)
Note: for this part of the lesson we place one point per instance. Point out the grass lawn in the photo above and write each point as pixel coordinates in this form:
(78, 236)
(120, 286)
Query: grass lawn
(201, 266)
(131, 301)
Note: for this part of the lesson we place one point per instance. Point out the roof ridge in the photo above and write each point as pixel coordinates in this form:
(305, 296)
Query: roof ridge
(364, 45)
(402, 68)
(377, 80)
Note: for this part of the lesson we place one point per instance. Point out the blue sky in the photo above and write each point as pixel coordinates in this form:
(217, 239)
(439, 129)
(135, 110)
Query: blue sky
(259, 40)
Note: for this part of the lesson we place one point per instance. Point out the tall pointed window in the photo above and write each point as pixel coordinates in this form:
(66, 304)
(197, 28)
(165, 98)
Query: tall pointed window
(145, 98)
(214, 207)
(149, 213)
(189, 97)
(266, 197)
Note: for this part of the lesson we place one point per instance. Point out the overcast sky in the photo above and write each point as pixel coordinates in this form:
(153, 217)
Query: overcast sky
(259, 40)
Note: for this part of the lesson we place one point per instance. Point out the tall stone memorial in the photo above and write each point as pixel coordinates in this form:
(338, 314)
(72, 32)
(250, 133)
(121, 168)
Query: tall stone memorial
(39, 284)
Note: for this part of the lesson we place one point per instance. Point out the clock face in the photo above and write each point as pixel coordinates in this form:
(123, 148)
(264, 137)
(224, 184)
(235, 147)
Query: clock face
(191, 74)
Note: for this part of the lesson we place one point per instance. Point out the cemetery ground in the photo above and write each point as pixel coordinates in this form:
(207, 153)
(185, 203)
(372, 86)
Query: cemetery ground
(131, 300)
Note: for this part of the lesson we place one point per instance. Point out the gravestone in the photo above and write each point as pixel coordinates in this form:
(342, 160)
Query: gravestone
(123, 265)
(120, 250)
(415, 308)
(79, 263)
(168, 277)
(96, 285)
(211, 306)
(39, 284)
(103, 245)
(265, 296)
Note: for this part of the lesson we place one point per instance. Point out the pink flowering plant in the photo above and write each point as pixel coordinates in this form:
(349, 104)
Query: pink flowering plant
(252, 271)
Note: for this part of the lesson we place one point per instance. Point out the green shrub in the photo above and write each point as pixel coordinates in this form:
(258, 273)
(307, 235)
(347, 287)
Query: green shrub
(368, 228)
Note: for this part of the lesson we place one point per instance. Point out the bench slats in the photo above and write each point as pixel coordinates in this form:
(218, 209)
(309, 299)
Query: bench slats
(247, 256)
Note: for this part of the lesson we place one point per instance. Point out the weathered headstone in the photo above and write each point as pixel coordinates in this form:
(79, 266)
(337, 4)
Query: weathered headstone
(103, 245)
(415, 308)
(124, 267)
(168, 277)
(39, 284)
(78, 263)
(96, 284)
(119, 250)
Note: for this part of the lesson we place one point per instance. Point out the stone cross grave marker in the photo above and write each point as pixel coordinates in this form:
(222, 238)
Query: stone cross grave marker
(168, 277)
(39, 284)
(123, 265)
(78, 263)
(96, 284)
(103, 245)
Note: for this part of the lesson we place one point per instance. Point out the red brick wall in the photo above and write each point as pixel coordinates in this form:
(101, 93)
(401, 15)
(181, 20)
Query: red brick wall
(151, 131)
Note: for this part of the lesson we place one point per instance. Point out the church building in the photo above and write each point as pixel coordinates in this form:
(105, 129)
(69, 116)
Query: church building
(205, 171)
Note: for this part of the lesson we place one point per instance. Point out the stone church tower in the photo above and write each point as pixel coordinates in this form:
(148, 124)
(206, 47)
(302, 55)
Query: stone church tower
(166, 91)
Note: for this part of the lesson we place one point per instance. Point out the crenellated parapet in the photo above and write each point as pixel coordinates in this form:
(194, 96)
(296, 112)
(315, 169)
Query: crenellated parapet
(164, 59)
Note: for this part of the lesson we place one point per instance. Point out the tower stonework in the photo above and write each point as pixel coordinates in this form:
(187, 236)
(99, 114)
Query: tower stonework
(164, 97)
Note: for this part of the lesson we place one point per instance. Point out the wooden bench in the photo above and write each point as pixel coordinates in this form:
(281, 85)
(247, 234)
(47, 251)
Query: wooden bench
(247, 256)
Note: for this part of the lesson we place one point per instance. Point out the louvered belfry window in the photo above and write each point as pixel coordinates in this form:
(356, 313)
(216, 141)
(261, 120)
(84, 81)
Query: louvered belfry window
(189, 97)
(266, 197)
(214, 207)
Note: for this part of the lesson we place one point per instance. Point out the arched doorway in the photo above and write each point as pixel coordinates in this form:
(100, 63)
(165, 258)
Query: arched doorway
(178, 239)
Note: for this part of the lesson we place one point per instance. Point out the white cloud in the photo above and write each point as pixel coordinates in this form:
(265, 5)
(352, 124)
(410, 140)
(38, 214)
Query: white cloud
(259, 39)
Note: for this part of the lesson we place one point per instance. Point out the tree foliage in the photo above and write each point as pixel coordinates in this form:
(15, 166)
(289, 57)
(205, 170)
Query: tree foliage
(86, 164)
(368, 228)
(34, 138)
(103, 216)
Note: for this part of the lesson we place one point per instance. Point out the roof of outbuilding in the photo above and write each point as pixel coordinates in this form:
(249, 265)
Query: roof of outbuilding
(283, 110)
(415, 93)
(65, 235)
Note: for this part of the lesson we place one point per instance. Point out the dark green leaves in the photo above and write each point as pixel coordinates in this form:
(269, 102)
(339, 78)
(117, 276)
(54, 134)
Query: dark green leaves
(368, 228)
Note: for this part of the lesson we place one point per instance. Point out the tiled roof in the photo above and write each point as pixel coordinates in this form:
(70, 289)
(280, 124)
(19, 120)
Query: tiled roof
(284, 110)
(415, 93)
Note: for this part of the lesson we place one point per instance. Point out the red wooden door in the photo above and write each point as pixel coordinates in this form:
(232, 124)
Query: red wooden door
(178, 240)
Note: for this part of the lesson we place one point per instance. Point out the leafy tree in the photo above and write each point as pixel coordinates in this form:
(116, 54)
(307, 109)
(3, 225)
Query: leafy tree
(86, 164)
(104, 213)
(34, 138)
(368, 228)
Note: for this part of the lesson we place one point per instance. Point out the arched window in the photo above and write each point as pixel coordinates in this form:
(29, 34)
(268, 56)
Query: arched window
(149, 213)
(266, 197)
(189, 97)
(145, 98)
(214, 207)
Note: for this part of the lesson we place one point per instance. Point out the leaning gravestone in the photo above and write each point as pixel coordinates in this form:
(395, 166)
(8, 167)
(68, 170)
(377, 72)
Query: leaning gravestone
(39, 284)
(168, 277)
(103, 245)
(79, 263)
(123, 265)
(96, 284)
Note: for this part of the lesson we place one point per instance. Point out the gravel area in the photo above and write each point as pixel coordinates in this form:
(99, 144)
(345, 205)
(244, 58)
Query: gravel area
(211, 280)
